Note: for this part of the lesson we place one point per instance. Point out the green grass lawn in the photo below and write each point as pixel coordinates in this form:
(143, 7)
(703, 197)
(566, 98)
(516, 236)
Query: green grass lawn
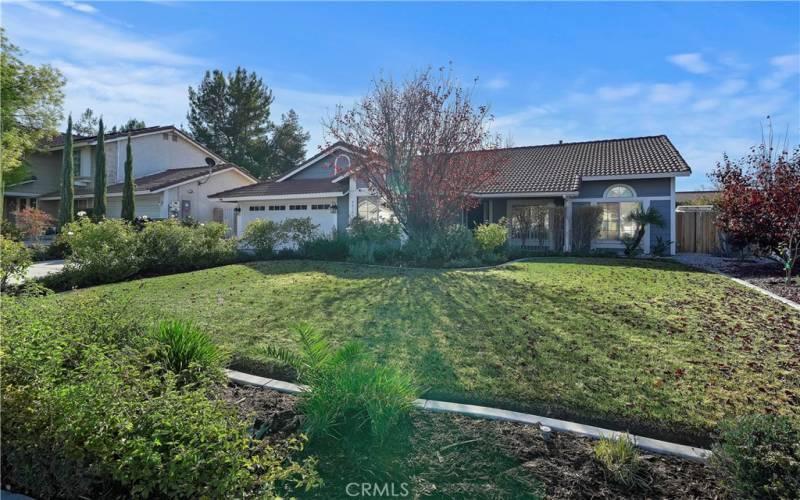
(650, 344)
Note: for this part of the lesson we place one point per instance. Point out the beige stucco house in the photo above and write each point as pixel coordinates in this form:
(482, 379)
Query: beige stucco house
(171, 172)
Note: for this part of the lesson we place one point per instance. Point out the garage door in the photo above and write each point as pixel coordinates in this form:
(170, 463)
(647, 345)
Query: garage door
(318, 210)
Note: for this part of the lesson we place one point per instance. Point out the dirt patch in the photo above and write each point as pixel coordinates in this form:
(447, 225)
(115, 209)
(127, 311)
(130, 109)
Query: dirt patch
(451, 456)
(768, 276)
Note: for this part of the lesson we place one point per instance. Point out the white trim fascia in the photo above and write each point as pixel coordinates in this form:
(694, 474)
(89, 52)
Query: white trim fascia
(526, 195)
(22, 194)
(634, 176)
(311, 161)
(672, 233)
(108, 195)
(334, 194)
(614, 200)
(21, 183)
(195, 179)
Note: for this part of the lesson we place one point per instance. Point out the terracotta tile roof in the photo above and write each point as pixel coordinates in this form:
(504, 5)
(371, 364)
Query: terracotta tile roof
(560, 167)
(287, 187)
(154, 182)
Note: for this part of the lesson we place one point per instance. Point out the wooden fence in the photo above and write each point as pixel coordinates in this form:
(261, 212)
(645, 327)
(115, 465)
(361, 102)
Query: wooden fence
(695, 232)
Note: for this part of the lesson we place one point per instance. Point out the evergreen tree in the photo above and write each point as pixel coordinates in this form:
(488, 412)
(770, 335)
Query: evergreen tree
(288, 145)
(128, 188)
(86, 124)
(131, 124)
(230, 116)
(66, 211)
(100, 175)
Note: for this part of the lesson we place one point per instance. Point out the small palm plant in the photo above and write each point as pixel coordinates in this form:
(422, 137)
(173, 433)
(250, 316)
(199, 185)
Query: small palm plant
(641, 218)
(347, 389)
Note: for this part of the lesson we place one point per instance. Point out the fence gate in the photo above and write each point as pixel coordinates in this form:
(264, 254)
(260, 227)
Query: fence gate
(695, 231)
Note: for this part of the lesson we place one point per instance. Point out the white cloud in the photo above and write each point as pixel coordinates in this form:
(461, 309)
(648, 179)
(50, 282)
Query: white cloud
(731, 87)
(670, 93)
(497, 83)
(619, 92)
(80, 7)
(691, 62)
(785, 66)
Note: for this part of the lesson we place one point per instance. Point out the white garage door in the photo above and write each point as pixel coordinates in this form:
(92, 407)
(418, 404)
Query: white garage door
(318, 210)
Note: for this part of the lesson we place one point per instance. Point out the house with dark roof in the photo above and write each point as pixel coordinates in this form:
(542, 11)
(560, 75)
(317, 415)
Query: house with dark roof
(545, 186)
(173, 176)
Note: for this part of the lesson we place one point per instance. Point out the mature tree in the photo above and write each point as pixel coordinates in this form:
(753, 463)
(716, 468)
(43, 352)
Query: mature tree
(31, 98)
(422, 146)
(131, 124)
(230, 116)
(760, 202)
(66, 210)
(86, 124)
(99, 210)
(287, 147)
(128, 188)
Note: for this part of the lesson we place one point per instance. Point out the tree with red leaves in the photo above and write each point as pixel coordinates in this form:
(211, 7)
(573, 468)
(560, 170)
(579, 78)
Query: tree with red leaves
(33, 222)
(422, 146)
(760, 202)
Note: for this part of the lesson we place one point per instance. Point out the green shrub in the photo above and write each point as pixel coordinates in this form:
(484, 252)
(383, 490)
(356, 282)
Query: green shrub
(101, 253)
(263, 236)
(661, 247)
(10, 230)
(15, 260)
(371, 241)
(453, 243)
(348, 391)
(491, 236)
(186, 351)
(333, 247)
(85, 414)
(758, 456)
(56, 250)
(620, 460)
(300, 231)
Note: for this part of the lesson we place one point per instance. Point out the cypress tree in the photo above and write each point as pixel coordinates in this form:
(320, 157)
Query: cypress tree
(100, 175)
(128, 203)
(66, 211)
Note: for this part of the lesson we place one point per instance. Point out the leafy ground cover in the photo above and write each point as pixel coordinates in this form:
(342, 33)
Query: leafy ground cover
(652, 347)
(450, 456)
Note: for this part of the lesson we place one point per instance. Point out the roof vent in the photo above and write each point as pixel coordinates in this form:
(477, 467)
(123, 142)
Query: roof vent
(561, 141)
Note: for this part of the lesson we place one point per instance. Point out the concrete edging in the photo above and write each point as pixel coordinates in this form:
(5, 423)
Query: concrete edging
(648, 444)
(775, 296)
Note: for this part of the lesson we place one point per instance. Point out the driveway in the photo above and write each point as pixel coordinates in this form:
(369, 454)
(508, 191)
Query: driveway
(43, 268)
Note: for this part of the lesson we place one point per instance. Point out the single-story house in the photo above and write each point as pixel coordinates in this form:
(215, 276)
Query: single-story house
(549, 182)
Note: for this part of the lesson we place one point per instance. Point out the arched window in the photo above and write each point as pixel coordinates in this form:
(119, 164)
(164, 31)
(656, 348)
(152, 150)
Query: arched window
(619, 191)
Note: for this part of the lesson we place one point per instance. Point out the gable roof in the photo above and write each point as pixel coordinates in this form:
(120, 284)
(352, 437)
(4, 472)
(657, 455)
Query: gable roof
(559, 168)
(312, 160)
(275, 188)
(57, 141)
(157, 182)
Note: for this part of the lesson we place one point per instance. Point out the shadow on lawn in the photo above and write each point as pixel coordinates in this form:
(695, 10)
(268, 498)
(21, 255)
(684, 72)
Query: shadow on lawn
(466, 342)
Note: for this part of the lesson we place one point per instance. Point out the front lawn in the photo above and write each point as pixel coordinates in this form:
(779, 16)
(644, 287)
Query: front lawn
(648, 345)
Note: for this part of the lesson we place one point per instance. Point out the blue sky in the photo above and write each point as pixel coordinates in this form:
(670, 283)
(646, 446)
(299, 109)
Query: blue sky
(704, 74)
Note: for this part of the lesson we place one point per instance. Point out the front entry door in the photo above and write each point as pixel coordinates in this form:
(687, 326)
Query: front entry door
(186, 209)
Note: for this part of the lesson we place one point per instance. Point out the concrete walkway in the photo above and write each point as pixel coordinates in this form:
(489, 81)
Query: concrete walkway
(43, 268)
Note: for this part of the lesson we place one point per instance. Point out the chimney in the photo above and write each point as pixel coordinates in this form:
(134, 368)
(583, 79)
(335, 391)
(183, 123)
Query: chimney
(561, 141)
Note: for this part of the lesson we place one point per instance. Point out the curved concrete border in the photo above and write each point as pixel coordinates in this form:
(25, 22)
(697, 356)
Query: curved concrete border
(648, 444)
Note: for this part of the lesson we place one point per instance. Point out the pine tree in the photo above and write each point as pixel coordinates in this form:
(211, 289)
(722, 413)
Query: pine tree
(230, 115)
(66, 211)
(99, 210)
(128, 188)
(288, 145)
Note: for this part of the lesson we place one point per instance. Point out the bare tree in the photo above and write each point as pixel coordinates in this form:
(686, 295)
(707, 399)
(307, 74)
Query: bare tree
(422, 146)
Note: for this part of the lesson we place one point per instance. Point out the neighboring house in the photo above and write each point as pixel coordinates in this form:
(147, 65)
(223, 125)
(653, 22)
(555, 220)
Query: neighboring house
(171, 175)
(696, 197)
(619, 175)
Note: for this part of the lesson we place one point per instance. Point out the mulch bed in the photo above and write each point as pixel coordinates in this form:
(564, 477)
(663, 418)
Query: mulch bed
(768, 276)
(452, 456)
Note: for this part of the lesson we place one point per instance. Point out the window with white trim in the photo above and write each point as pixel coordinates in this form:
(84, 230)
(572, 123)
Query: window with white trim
(324, 206)
(275, 208)
(368, 208)
(615, 223)
(619, 191)
(257, 208)
(298, 207)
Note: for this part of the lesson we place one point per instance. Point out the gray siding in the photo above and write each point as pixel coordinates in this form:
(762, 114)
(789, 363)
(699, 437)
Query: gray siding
(321, 169)
(643, 187)
(342, 213)
(663, 207)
